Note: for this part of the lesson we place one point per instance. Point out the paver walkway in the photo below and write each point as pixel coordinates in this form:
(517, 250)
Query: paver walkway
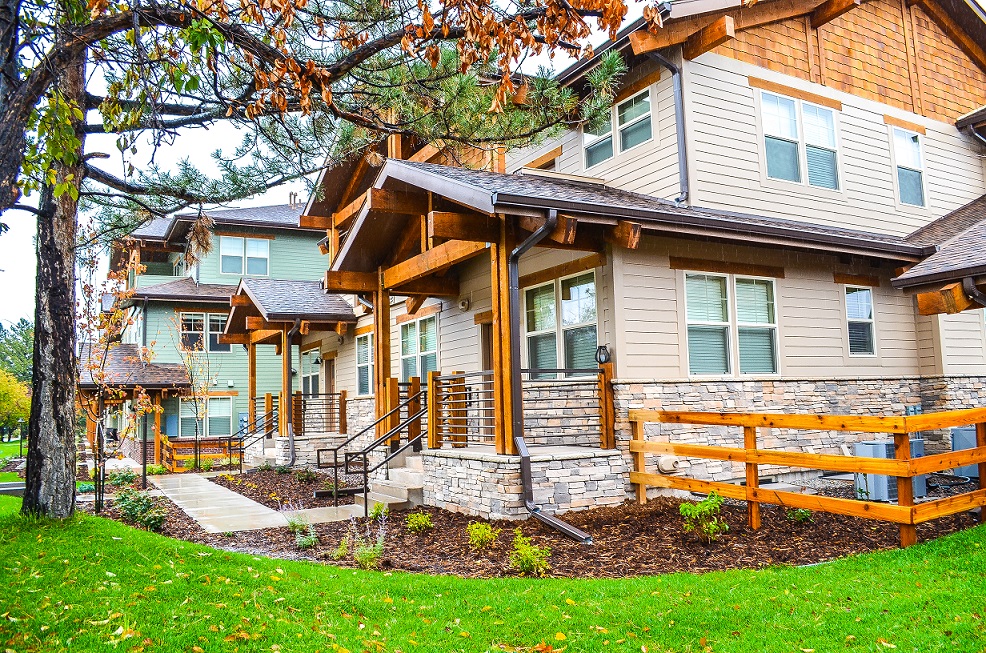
(218, 510)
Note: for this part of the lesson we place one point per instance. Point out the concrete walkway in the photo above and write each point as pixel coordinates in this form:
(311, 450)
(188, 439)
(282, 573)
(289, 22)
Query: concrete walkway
(218, 510)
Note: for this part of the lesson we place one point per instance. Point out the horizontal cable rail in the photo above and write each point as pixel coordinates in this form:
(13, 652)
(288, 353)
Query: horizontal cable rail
(320, 413)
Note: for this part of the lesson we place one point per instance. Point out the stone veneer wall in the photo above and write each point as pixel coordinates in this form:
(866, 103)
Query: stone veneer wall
(488, 485)
(305, 448)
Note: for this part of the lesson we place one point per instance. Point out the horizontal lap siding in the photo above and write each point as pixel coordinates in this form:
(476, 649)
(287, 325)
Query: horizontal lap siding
(293, 255)
(963, 343)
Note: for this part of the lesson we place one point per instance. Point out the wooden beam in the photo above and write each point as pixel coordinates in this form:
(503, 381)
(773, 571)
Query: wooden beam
(381, 347)
(438, 258)
(257, 323)
(949, 300)
(474, 227)
(315, 222)
(414, 304)
(285, 405)
(790, 91)
(544, 158)
(304, 327)
(726, 267)
(625, 234)
(239, 300)
(424, 154)
(408, 244)
(677, 31)
(953, 30)
(354, 282)
(447, 286)
(341, 328)
(252, 382)
(856, 279)
(261, 337)
(709, 37)
(353, 184)
(234, 338)
(563, 270)
(831, 10)
(861, 423)
(563, 233)
(384, 201)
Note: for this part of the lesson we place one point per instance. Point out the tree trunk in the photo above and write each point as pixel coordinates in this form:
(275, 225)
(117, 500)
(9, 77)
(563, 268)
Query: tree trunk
(50, 483)
(9, 78)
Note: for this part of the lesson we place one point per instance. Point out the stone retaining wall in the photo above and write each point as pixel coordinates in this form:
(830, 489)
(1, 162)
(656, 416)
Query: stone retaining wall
(305, 448)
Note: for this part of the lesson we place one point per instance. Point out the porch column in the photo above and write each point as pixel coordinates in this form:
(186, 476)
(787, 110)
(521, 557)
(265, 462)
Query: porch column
(502, 333)
(157, 428)
(381, 346)
(252, 382)
(285, 399)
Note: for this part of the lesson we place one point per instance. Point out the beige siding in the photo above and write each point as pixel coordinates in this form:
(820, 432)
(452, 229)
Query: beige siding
(928, 343)
(963, 343)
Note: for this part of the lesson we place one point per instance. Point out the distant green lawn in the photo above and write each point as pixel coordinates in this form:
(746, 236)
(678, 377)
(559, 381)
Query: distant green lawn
(8, 449)
(9, 477)
(92, 582)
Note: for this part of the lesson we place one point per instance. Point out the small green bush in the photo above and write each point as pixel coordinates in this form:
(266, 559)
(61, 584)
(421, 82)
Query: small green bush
(156, 470)
(419, 522)
(800, 515)
(139, 508)
(297, 524)
(342, 550)
(306, 475)
(205, 464)
(121, 477)
(481, 534)
(528, 559)
(703, 518)
(367, 555)
(265, 466)
(282, 469)
(85, 487)
(306, 538)
(378, 511)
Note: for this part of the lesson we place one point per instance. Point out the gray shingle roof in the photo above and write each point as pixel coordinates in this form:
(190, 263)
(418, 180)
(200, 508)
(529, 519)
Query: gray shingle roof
(289, 300)
(951, 224)
(964, 255)
(185, 289)
(281, 215)
(124, 368)
(156, 229)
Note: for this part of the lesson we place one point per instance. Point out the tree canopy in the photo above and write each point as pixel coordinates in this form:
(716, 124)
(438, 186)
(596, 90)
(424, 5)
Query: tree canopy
(15, 404)
(16, 349)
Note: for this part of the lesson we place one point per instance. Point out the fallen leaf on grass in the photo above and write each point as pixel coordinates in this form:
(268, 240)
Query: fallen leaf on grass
(883, 642)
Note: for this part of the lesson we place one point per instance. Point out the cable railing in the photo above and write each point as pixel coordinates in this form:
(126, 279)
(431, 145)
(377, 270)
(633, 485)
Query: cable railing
(261, 428)
(320, 413)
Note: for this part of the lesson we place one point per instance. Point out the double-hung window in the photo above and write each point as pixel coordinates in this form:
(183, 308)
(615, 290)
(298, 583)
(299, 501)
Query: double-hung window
(561, 324)
(730, 318)
(419, 347)
(860, 321)
(799, 141)
(632, 120)
(217, 324)
(310, 363)
(364, 365)
(218, 420)
(910, 167)
(235, 251)
(201, 331)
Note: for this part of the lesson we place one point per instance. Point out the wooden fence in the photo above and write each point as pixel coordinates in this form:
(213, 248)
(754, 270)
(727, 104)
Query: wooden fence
(178, 455)
(902, 466)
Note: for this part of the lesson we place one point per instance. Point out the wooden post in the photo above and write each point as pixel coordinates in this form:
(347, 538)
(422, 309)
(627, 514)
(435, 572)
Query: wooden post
(458, 412)
(607, 410)
(381, 348)
(298, 414)
(413, 406)
(252, 381)
(502, 333)
(393, 400)
(343, 415)
(157, 429)
(639, 459)
(285, 400)
(752, 478)
(981, 442)
(434, 397)
(905, 488)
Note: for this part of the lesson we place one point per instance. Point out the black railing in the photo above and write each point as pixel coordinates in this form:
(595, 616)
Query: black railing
(250, 434)
(321, 413)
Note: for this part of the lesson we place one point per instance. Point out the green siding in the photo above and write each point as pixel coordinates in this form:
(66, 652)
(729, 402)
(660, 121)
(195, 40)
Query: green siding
(293, 255)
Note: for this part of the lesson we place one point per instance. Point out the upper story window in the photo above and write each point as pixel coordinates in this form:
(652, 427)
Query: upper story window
(632, 120)
(860, 319)
(201, 331)
(364, 364)
(800, 141)
(730, 316)
(910, 167)
(419, 347)
(561, 324)
(234, 251)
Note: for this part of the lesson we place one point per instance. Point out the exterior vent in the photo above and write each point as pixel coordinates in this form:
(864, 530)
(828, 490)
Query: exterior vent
(874, 487)
(965, 438)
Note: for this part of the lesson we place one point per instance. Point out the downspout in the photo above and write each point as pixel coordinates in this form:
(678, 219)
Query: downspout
(679, 124)
(516, 393)
(970, 289)
(975, 134)
(289, 413)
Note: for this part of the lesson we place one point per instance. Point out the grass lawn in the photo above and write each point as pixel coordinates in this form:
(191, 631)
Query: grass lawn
(8, 449)
(92, 582)
(9, 477)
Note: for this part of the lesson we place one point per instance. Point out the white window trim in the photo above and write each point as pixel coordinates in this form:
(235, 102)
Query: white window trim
(418, 354)
(923, 208)
(370, 364)
(615, 129)
(206, 331)
(732, 326)
(803, 185)
(205, 419)
(318, 369)
(871, 321)
(559, 328)
(243, 256)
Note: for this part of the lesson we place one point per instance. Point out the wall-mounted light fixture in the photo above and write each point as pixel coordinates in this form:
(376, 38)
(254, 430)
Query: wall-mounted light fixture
(602, 354)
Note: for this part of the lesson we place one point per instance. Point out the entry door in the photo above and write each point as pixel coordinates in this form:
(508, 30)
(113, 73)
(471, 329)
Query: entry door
(486, 423)
(329, 374)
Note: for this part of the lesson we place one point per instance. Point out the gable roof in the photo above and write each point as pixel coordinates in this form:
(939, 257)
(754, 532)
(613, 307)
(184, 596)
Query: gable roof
(492, 192)
(282, 300)
(951, 224)
(963, 255)
(124, 368)
(280, 216)
(186, 289)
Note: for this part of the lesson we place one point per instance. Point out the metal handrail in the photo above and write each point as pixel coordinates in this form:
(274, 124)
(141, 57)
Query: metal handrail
(267, 421)
(365, 453)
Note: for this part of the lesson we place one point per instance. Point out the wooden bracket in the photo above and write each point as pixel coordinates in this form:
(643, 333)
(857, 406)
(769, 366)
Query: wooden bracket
(949, 300)
(709, 37)
(831, 10)
(239, 300)
(624, 234)
(474, 227)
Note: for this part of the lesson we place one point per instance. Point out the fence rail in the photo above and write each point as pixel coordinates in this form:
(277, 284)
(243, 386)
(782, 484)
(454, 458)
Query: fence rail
(185, 454)
(902, 466)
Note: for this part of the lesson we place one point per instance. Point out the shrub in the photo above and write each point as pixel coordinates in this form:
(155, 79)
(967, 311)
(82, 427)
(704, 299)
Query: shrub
(342, 550)
(85, 487)
(330, 486)
(481, 534)
(378, 511)
(528, 559)
(297, 524)
(282, 469)
(121, 477)
(419, 522)
(366, 547)
(306, 475)
(265, 466)
(800, 515)
(156, 470)
(139, 508)
(205, 464)
(703, 518)
(306, 538)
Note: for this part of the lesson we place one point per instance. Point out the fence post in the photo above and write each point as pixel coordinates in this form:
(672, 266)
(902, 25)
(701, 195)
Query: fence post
(343, 416)
(434, 397)
(413, 406)
(752, 478)
(298, 414)
(458, 417)
(905, 488)
(981, 442)
(607, 410)
(393, 400)
(639, 458)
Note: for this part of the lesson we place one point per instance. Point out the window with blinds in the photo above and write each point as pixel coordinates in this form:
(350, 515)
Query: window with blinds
(910, 167)
(364, 365)
(799, 141)
(560, 320)
(860, 321)
(419, 347)
(632, 119)
(719, 306)
(235, 250)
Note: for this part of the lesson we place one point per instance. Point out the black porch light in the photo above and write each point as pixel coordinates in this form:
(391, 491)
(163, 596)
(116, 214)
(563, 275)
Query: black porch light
(602, 354)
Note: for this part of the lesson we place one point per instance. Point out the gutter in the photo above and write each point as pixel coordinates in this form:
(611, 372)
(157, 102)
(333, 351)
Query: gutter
(289, 412)
(516, 394)
(679, 125)
(970, 289)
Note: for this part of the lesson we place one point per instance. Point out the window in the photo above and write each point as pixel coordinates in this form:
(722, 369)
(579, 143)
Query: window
(717, 306)
(419, 347)
(195, 337)
(567, 307)
(218, 420)
(234, 250)
(633, 126)
(311, 362)
(910, 169)
(364, 365)
(220, 417)
(859, 315)
(799, 136)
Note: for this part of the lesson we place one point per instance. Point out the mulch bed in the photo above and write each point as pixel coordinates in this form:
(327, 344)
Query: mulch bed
(629, 540)
(275, 490)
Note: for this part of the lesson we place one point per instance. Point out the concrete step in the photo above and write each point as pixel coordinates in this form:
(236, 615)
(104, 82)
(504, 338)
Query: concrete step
(408, 477)
(398, 490)
(392, 503)
(414, 462)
